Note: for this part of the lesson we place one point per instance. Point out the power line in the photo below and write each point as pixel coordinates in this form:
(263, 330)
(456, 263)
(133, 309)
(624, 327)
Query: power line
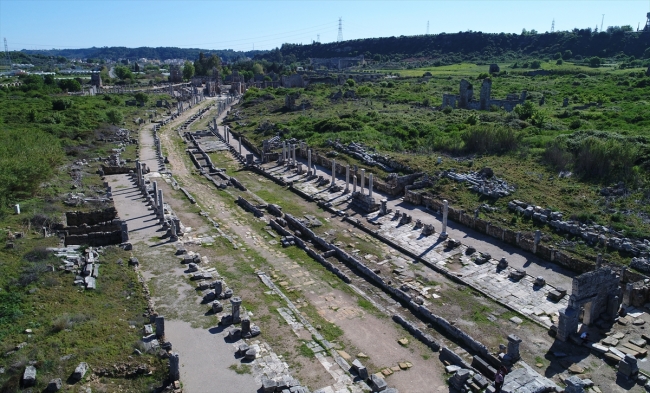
(340, 36)
(553, 26)
(427, 27)
(7, 57)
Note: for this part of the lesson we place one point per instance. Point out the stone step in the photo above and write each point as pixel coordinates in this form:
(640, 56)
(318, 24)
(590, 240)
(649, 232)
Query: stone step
(641, 352)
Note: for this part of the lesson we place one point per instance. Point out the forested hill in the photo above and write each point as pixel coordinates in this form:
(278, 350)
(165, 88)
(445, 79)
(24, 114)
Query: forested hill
(162, 53)
(475, 45)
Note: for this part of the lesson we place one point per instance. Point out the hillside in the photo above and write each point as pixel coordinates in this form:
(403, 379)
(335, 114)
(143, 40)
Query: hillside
(476, 45)
(162, 53)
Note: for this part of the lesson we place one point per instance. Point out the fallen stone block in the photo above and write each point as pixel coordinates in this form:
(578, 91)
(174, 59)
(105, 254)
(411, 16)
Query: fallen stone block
(54, 385)
(29, 376)
(80, 371)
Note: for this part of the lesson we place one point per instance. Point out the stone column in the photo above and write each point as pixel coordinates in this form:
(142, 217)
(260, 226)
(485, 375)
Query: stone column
(155, 194)
(538, 237)
(137, 172)
(445, 211)
(160, 326)
(333, 172)
(293, 153)
(240, 145)
(309, 172)
(235, 303)
(363, 180)
(218, 288)
(161, 209)
(383, 209)
(370, 185)
(245, 327)
(354, 183)
(513, 347)
(174, 367)
(599, 261)
(172, 230)
(347, 178)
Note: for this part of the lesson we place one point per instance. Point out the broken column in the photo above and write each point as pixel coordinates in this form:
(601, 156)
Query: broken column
(347, 178)
(370, 185)
(599, 261)
(240, 145)
(218, 288)
(333, 172)
(235, 303)
(354, 184)
(174, 367)
(383, 209)
(293, 152)
(245, 327)
(445, 211)
(538, 238)
(160, 326)
(363, 180)
(173, 234)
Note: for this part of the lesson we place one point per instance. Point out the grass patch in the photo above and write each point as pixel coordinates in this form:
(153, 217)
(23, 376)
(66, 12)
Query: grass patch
(241, 368)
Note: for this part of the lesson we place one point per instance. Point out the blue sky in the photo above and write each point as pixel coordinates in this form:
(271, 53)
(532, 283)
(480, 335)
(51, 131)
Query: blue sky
(244, 25)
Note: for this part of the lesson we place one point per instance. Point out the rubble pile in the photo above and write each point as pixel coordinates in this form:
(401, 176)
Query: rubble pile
(592, 234)
(483, 182)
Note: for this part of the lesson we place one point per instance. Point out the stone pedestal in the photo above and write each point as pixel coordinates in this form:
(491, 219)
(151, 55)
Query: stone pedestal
(160, 326)
(218, 288)
(383, 209)
(567, 323)
(513, 347)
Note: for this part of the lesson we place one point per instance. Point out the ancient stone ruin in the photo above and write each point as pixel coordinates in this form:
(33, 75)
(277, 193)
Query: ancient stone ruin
(465, 100)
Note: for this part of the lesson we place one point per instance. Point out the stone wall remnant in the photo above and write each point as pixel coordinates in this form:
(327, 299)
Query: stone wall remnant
(465, 100)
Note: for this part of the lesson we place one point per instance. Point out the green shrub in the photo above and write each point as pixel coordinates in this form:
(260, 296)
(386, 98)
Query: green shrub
(489, 138)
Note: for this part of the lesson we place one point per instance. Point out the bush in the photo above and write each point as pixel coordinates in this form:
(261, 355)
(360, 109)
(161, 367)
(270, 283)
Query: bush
(559, 62)
(535, 64)
(61, 104)
(490, 139)
(575, 124)
(350, 82)
(525, 111)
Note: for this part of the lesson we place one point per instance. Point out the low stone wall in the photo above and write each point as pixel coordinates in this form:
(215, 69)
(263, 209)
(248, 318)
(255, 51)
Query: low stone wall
(95, 239)
(76, 218)
(523, 240)
(427, 339)
(116, 170)
(249, 206)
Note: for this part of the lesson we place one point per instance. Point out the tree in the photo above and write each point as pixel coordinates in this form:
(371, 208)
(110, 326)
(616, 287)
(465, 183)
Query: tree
(350, 82)
(567, 54)
(123, 72)
(557, 56)
(188, 70)
(595, 62)
(559, 62)
(69, 85)
(141, 97)
(258, 69)
(535, 64)
(114, 116)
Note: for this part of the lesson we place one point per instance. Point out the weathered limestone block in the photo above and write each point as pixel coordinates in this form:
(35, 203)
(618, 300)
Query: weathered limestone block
(54, 385)
(29, 376)
(80, 371)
